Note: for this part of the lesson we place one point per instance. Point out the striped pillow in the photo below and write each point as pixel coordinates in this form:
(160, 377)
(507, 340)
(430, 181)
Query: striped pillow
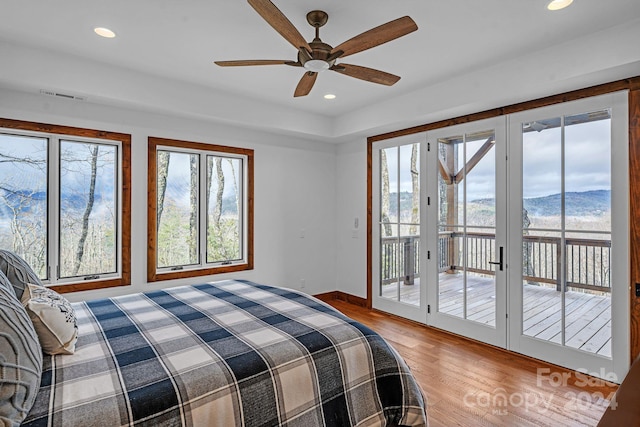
(21, 358)
(18, 271)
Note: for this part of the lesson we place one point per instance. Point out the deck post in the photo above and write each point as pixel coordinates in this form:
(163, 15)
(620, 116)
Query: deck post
(409, 264)
(559, 265)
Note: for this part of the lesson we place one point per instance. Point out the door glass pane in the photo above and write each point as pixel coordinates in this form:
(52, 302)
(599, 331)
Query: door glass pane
(542, 229)
(588, 231)
(23, 199)
(467, 220)
(88, 209)
(567, 231)
(451, 278)
(390, 262)
(224, 212)
(389, 244)
(177, 208)
(480, 217)
(409, 183)
(400, 223)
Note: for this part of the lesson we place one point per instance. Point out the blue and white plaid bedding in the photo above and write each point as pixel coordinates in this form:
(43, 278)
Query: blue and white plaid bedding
(231, 353)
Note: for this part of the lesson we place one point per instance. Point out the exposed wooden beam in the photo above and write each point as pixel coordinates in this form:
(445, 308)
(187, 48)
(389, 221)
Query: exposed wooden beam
(488, 144)
(444, 172)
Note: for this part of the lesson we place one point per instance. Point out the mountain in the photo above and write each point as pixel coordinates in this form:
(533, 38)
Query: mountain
(593, 202)
(21, 199)
(405, 201)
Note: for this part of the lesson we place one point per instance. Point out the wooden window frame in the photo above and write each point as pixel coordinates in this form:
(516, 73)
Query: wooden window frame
(125, 207)
(152, 268)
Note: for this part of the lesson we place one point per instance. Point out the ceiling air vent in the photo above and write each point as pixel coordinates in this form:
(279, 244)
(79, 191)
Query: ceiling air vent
(62, 95)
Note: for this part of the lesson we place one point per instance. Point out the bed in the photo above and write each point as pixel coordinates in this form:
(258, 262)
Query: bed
(230, 353)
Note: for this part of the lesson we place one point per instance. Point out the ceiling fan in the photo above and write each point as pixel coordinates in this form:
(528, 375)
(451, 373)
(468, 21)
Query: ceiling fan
(317, 56)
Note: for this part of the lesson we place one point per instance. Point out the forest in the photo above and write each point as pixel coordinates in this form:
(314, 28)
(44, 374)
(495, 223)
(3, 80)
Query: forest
(68, 205)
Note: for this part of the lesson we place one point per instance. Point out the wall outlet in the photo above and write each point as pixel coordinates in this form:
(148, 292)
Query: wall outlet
(354, 234)
(303, 283)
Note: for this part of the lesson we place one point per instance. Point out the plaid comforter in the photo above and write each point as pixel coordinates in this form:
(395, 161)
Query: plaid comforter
(231, 353)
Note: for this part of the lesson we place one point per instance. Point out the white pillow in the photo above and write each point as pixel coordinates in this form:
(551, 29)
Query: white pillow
(53, 318)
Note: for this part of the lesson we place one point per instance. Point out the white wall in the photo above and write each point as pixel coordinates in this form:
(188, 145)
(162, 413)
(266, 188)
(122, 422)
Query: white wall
(295, 184)
(351, 203)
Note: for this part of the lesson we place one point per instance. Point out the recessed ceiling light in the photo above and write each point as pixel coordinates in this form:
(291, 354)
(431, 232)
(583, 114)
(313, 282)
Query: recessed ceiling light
(104, 32)
(329, 96)
(558, 4)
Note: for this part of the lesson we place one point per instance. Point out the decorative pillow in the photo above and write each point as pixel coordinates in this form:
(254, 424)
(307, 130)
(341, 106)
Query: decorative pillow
(53, 318)
(20, 359)
(18, 271)
(6, 285)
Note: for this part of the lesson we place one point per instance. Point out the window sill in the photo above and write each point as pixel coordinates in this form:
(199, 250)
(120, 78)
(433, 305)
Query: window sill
(90, 286)
(153, 276)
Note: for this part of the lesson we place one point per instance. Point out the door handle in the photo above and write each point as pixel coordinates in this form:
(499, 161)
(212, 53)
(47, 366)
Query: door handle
(500, 263)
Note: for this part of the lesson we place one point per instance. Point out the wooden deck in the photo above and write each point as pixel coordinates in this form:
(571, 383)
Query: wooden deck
(588, 316)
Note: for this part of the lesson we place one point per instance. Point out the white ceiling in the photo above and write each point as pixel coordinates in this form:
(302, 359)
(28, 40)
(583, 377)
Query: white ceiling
(171, 45)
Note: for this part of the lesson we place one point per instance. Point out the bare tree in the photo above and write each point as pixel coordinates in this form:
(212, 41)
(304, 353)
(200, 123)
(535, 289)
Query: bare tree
(26, 225)
(235, 185)
(193, 216)
(385, 193)
(88, 208)
(162, 171)
(217, 212)
(235, 242)
(415, 188)
(8, 158)
(209, 175)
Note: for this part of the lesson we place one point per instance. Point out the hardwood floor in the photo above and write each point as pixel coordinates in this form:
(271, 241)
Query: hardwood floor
(468, 383)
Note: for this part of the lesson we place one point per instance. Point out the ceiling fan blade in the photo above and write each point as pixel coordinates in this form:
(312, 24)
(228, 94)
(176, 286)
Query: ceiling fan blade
(248, 62)
(368, 74)
(279, 22)
(305, 84)
(377, 36)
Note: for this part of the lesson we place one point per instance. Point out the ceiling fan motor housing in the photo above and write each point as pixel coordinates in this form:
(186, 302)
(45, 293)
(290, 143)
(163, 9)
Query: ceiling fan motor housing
(317, 60)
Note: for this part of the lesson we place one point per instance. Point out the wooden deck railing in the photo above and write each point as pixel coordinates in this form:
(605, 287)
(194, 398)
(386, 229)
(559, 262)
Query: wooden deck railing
(400, 259)
(588, 261)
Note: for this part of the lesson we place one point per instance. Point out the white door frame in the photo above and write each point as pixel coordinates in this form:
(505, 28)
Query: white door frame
(599, 366)
(489, 334)
(508, 330)
(409, 311)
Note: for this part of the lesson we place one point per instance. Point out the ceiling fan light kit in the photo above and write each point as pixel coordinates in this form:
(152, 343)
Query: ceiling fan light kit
(317, 56)
(316, 65)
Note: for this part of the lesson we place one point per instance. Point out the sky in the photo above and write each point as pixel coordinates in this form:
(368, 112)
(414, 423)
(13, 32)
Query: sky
(587, 163)
(75, 176)
(178, 182)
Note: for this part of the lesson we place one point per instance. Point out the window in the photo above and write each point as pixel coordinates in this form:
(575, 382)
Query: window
(200, 218)
(64, 203)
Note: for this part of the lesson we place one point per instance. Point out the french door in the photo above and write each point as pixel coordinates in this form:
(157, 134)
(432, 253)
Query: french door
(399, 224)
(512, 231)
(467, 231)
(568, 235)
